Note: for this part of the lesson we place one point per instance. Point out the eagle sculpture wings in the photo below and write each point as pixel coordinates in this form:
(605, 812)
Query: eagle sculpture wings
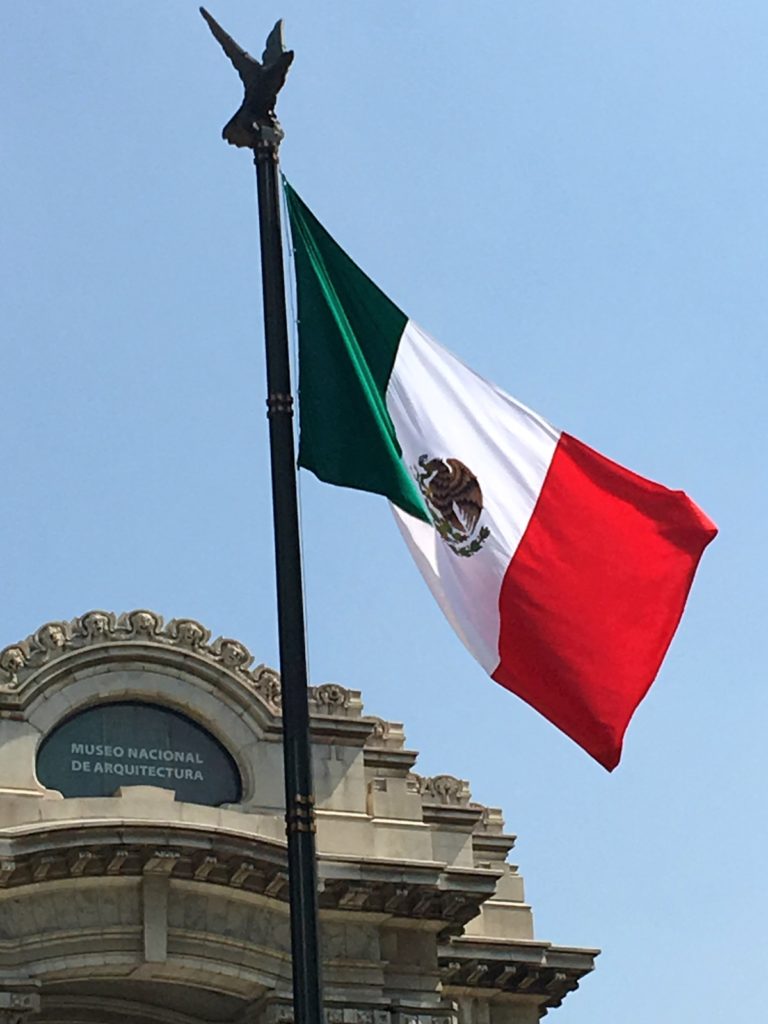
(262, 79)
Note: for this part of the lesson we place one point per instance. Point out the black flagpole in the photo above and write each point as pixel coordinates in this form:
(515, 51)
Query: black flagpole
(255, 127)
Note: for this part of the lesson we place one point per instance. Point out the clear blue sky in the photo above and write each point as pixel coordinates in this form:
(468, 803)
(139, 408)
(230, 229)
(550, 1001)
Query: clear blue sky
(570, 196)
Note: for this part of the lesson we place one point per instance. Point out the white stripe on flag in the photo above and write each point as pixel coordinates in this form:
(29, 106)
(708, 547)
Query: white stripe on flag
(442, 409)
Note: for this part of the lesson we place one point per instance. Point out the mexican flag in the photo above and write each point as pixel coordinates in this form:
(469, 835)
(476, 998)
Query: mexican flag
(563, 573)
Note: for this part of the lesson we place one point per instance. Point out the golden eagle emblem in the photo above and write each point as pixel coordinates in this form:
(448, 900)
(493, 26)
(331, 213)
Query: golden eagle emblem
(455, 500)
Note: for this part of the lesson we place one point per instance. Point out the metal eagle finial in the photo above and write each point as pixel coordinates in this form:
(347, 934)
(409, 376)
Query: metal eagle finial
(263, 80)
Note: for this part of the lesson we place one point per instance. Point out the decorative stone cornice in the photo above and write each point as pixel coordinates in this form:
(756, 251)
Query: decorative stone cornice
(60, 651)
(335, 701)
(386, 735)
(279, 1010)
(184, 852)
(490, 842)
(23, 662)
(446, 801)
(55, 640)
(442, 789)
(529, 968)
(148, 887)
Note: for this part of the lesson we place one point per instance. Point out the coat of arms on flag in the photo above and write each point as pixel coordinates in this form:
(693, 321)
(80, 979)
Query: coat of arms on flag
(455, 500)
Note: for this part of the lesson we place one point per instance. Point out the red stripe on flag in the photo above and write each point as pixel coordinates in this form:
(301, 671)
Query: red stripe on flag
(592, 598)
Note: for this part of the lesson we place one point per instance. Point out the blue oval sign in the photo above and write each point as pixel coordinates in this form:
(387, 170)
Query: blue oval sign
(98, 750)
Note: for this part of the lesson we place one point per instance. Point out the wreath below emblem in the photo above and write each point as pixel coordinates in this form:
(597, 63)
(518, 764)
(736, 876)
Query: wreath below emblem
(455, 500)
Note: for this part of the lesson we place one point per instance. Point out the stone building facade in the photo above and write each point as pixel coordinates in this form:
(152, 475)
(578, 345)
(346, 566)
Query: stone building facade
(150, 886)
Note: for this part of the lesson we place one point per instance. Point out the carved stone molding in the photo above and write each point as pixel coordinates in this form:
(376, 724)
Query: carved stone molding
(55, 640)
(189, 634)
(20, 662)
(266, 682)
(546, 972)
(18, 1001)
(335, 700)
(331, 696)
(356, 1015)
(380, 732)
(385, 735)
(186, 853)
(12, 660)
(280, 1011)
(441, 789)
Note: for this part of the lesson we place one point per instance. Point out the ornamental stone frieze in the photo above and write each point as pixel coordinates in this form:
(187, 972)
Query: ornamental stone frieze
(53, 642)
(143, 872)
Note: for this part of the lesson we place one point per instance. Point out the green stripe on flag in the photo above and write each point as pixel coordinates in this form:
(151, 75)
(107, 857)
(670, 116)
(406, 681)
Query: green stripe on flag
(349, 332)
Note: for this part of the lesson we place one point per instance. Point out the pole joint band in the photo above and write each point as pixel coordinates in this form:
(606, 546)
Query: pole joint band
(278, 404)
(301, 815)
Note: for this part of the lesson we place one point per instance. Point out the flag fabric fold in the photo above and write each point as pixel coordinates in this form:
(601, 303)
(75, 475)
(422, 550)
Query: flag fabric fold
(563, 573)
